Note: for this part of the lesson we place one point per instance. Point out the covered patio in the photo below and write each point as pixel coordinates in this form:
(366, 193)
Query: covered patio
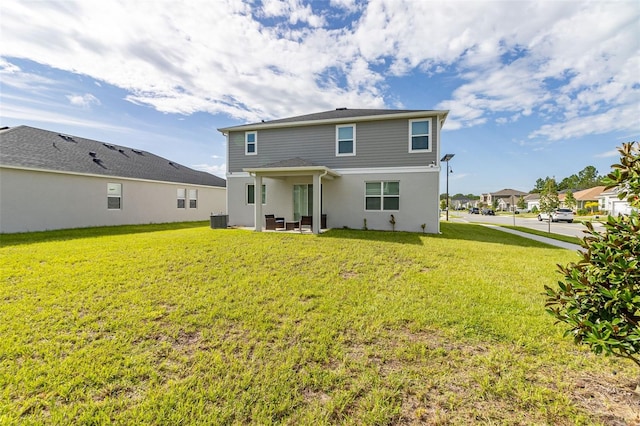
(295, 167)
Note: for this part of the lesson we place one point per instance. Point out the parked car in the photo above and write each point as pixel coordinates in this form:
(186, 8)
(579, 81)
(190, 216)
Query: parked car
(518, 211)
(488, 212)
(474, 210)
(558, 215)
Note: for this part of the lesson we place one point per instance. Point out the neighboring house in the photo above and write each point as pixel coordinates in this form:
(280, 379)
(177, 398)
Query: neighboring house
(351, 165)
(612, 205)
(55, 181)
(587, 195)
(532, 200)
(504, 199)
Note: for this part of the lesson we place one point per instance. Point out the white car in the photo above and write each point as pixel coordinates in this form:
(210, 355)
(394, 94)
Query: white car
(558, 215)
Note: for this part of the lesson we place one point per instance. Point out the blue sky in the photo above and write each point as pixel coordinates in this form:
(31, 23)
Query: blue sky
(534, 89)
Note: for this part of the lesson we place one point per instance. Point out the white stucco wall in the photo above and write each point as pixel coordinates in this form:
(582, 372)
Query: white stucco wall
(343, 199)
(40, 200)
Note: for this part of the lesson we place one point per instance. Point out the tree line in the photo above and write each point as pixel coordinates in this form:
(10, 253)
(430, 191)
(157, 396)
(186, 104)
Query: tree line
(585, 179)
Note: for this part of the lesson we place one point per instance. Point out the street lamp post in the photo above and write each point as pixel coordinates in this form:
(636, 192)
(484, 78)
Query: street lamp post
(446, 159)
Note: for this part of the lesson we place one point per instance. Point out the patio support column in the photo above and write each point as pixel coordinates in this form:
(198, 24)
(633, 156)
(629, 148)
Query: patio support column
(257, 201)
(315, 227)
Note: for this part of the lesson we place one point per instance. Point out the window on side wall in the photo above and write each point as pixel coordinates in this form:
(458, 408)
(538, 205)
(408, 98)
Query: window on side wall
(114, 196)
(251, 194)
(251, 143)
(382, 196)
(346, 140)
(182, 195)
(420, 135)
(193, 198)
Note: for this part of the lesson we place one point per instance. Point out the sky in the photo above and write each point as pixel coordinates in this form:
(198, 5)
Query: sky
(534, 89)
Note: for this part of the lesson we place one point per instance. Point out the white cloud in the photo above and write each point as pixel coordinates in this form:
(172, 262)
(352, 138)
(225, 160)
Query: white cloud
(608, 154)
(215, 169)
(84, 101)
(562, 61)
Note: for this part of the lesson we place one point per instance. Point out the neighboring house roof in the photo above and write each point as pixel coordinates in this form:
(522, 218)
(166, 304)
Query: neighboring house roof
(532, 197)
(589, 194)
(336, 116)
(508, 193)
(26, 147)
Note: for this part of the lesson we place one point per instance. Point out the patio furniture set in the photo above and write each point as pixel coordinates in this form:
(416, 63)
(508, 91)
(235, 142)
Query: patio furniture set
(274, 223)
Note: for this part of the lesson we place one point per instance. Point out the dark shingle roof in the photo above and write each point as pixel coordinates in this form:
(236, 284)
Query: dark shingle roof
(508, 193)
(337, 114)
(28, 147)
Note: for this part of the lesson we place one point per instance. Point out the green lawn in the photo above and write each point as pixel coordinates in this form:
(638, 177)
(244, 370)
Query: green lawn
(182, 324)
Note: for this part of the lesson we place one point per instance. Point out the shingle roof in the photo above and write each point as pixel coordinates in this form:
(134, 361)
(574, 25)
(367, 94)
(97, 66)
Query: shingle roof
(28, 147)
(589, 194)
(508, 193)
(336, 114)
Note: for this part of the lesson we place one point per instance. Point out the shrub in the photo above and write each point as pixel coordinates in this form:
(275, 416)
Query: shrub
(599, 297)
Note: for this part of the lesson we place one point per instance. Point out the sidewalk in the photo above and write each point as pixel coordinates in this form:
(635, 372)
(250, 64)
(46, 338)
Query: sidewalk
(545, 240)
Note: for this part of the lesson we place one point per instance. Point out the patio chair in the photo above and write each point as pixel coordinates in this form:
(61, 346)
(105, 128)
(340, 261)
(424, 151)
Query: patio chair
(306, 221)
(272, 223)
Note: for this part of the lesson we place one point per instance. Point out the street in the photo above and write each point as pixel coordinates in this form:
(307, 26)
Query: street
(574, 229)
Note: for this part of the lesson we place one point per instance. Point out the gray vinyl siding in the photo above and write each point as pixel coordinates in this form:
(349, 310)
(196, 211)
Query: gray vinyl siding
(382, 143)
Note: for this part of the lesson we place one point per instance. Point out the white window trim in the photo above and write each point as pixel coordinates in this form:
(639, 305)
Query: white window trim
(119, 196)
(246, 194)
(189, 192)
(246, 143)
(183, 198)
(429, 135)
(381, 182)
(348, 154)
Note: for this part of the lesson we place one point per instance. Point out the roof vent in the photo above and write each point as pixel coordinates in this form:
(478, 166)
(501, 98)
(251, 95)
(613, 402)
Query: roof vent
(121, 151)
(66, 137)
(97, 160)
(137, 151)
(171, 163)
(341, 109)
(109, 146)
(91, 153)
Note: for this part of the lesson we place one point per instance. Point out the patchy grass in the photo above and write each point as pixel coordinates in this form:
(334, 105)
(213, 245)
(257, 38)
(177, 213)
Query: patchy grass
(199, 326)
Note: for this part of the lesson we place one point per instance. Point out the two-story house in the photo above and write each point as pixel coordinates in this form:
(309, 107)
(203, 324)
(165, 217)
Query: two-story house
(352, 165)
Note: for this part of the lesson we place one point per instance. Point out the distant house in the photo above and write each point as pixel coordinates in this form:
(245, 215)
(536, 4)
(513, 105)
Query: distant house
(346, 165)
(532, 201)
(611, 204)
(56, 181)
(587, 195)
(504, 199)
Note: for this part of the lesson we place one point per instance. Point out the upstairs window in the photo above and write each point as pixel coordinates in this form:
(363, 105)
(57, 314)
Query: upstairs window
(182, 195)
(251, 143)
(193, 198)
(114, 196)
(346, 140)
(420, 135)
(251, 194)
(382, 196)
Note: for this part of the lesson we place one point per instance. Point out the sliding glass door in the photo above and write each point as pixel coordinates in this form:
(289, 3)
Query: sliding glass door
(302, 201)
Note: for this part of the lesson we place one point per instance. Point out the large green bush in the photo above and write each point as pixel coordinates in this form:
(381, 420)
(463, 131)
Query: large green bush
(599, 296)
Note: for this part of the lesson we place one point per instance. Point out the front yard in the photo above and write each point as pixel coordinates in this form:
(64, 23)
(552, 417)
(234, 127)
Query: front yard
(182, 324)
